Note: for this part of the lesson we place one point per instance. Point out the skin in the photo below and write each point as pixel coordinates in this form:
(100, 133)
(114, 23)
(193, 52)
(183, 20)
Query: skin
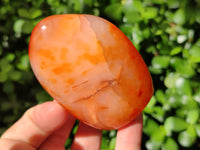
(41, 128)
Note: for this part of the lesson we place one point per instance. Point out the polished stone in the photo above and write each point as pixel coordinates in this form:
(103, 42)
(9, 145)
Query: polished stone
(91, 68)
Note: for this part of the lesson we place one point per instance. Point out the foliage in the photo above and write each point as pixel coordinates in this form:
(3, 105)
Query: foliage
(166, 33)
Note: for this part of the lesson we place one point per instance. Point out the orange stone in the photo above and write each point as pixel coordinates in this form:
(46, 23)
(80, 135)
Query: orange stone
(91, 68)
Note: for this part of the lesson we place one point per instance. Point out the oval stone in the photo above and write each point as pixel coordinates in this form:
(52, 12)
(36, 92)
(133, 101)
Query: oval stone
(91, 68)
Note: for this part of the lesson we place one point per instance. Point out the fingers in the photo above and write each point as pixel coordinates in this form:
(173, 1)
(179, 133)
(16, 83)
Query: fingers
(129, 137)
(36, 125)
(9, 144)
(87, 138)
(50, 124)
(57, 140)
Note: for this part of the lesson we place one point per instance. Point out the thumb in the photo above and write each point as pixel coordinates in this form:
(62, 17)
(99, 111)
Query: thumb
(35, 126)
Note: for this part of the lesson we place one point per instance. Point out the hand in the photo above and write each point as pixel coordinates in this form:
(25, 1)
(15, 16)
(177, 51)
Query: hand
(48, 125)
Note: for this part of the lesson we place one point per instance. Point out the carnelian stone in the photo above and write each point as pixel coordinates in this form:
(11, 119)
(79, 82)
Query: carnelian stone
(91, 68)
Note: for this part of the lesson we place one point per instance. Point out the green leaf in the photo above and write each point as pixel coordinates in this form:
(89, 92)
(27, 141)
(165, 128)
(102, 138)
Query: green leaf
(146, 33)
(195, 54)
(160, 62)
(172, 4)
(129, 11)
(175, 124)
(78, 5)
(88, 2)
(160, 96)
(175, 51)
(158, 113)
(170, 144)
(149, 107)
(137, 5)
(158, 135)
(75, 128)
(10, 57)
(175, 100)
(171, 79)
(114, 11)
(169, 16)
(34, 13)
(17, 27)
(149, 12)
(137, 35)
(5, 66)
(105, 143)
(181, 113)
(162, 46)
(27, 27)
(112, 143)
(197, 128)
(150, 127)
(190, 104)
(179, 16)
(153, 145)
(183, 86)
(197, 95)
(29, 14)
(24, 63)
(192, 116)
(68, 142)
(15, 75)
(155, 70)
(184, 67)
(126, 29)
(188, 137)
(23, 13)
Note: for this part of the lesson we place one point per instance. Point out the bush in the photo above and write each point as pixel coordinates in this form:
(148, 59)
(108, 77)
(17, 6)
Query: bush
(166, 33)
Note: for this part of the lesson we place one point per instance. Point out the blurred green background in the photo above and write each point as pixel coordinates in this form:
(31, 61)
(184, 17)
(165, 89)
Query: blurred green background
(165, 32)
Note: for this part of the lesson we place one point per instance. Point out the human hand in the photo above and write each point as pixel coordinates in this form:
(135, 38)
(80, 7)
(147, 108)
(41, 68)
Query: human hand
(48, 125)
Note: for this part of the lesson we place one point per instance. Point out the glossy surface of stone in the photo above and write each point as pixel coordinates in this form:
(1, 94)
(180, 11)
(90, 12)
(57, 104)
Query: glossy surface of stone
(91, 68)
